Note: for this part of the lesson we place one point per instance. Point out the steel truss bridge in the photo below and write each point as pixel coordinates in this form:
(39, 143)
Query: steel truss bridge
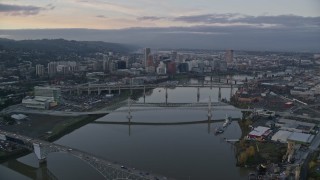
(107, 169)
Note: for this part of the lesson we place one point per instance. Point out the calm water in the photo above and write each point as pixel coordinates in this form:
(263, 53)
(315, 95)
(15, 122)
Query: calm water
(178, 151)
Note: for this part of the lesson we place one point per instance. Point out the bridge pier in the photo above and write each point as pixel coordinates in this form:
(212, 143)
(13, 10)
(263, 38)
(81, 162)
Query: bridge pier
(119, 90)
(235, 81)
(109, 90)
(219, 95)
(40, 153)
(89, 91)
(99, 91)
(227, 81)
(198, 94)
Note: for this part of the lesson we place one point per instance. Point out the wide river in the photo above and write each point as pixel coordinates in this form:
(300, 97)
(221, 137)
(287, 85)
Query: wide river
(179, 151)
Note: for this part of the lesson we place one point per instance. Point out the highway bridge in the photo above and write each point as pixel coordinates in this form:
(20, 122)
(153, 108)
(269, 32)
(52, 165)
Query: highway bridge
(108, 169)
(98, 88)
(135, 107)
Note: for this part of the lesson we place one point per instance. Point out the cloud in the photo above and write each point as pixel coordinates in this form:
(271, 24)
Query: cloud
(17, 10)
(101, 16)
(232, 18)
(110, 7)
(150, 18)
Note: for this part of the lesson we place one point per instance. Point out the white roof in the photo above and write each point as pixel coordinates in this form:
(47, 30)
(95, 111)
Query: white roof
(18, 116)
(259, 131)
(281, 136)
(301, 137)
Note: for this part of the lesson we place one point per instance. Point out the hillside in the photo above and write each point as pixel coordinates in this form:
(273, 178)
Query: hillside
(62, 46)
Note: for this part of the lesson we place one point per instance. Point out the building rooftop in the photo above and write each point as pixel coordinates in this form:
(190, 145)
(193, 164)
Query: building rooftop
(259, 131)
(301, 137)
(281, 136)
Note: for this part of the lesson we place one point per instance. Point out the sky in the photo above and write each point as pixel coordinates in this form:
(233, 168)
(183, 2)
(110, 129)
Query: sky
(174, 23)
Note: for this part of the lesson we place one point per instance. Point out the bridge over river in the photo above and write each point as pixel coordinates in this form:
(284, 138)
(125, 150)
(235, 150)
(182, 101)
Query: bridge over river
(107, 169)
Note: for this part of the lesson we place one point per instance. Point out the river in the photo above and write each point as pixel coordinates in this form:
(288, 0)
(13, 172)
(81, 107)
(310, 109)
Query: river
(179, 151)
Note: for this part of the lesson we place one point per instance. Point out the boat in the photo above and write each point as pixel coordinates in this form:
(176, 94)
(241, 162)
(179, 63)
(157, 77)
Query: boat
(227, 121)
(218, 130)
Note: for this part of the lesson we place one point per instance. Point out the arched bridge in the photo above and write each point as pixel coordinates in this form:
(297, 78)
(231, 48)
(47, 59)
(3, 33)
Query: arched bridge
(107, 169)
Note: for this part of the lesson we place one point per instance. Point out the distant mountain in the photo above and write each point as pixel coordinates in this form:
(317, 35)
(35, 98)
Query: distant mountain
(62, 46)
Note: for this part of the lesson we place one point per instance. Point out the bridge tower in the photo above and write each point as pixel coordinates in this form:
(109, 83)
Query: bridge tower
(166, 95)
(219, 95)
(119, 90)
(144, 94)
(198, 94)
(129, 116)
(209, 109)
(129, 110)
(209, 114)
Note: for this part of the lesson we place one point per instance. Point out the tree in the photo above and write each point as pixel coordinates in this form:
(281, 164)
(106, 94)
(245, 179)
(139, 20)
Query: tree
(250, 151)
(243, 158)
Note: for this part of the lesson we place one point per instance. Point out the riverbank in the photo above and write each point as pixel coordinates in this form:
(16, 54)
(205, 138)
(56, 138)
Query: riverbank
(251, 153)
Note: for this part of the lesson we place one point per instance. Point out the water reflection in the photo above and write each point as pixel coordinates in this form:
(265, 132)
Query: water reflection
(182, 151)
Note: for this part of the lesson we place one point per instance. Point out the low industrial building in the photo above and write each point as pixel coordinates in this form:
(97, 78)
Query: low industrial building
(301, 138)
(259, 132)
(293, 125)
(44, 98)
(281, 136)
(296, 137)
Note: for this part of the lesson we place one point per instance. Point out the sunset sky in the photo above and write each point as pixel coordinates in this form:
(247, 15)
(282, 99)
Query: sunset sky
(222, 24)
(117, 14)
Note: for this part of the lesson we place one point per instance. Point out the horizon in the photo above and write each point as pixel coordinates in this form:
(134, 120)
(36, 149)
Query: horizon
(247, 25)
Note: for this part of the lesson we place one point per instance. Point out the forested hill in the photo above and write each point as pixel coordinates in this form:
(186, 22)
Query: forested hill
(62, 46)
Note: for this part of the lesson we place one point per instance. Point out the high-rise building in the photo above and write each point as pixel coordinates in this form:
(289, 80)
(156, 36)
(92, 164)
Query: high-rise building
(171, 68)
(121, 64)
(174, 55)
(229, 56)
(147, 52)
(52, 68)
(39, 70)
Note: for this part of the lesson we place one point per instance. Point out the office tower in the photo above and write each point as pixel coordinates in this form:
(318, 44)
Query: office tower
(171, 68)
(39, 70)
(147, 52)
(229, 56)
(174, 55)
(52, 68)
